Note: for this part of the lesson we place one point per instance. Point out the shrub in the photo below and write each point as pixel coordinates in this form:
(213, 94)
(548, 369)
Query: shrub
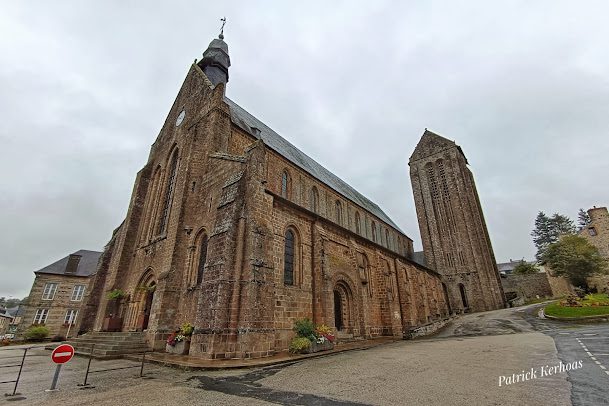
(299, 344)
(571, 301)
(305, 328)
(187, 329)
(36, 333)
(116, 294)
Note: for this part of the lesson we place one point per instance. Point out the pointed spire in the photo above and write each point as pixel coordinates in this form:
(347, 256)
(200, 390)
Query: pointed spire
(215, 62)
(432, 143)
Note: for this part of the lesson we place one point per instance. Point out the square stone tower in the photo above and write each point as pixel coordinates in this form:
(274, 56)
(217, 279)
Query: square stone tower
(453, 230)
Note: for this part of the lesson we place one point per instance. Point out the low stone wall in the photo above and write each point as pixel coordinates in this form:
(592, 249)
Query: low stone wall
(528, 286)
(560, 285)
(427, 329)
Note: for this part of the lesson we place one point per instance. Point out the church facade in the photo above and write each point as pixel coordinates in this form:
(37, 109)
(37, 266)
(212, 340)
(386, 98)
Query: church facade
(236, 231)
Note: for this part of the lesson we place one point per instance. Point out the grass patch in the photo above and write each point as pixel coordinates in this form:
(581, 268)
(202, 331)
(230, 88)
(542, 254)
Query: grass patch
(592, 305)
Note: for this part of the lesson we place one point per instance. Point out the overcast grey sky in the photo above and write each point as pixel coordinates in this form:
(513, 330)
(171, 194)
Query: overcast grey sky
(523, 87)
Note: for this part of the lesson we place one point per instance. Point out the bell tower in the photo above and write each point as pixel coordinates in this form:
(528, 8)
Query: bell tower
(215, 62)
(453, 231)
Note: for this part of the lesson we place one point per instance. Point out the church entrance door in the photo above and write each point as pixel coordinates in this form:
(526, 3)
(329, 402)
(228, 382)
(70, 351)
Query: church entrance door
(338, 311)
(141, 307)
(343, 303)
(148, 305)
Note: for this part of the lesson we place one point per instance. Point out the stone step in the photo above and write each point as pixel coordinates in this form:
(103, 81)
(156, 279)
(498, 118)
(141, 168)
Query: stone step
(108, 345)
(112, 354)
(108, 340)
(342, 337)
(115, 334)
(97, 346)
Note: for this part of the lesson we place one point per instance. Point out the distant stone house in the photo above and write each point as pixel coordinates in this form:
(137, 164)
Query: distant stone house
(58, 294)
(597, 234)
(16, 313)
(507, 268)
(5, 321)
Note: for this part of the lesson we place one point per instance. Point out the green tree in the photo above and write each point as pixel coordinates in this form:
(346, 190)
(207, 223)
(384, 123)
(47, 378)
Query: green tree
(524, 268)
(11, 302)
(548, 230)
(575, 258)
(583, 218)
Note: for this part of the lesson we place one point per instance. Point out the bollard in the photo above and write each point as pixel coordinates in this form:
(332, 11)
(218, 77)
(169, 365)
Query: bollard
(9, 395)
(55, 379)
(142, 367)
(85, 385)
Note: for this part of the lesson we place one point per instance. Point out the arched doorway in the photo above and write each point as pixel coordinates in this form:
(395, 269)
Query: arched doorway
(463, 296)
(338, 311)
(144, 299)
(343, 300)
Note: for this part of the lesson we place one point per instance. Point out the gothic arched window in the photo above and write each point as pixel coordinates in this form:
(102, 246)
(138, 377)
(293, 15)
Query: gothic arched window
(339, 212)
(357, 223)
(373, 227)
(285, 184)
(171, 182)
(314, 200)
(288, 258)
(387, 238)
(202, 258)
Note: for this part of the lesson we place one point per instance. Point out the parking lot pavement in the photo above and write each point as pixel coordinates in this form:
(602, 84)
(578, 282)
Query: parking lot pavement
(159, 386)
(463, 371)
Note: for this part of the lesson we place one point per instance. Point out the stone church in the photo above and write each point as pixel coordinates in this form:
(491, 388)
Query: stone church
(233, 229)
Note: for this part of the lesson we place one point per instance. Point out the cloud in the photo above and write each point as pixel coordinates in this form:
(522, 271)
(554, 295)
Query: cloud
(86, 87)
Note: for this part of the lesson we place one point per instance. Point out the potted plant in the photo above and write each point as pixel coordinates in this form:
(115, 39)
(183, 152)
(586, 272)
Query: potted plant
(311, 338)
(178, 342)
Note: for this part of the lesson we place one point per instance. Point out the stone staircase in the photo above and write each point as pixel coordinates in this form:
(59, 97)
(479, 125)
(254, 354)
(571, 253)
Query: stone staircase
(342, 337)
(108, 345)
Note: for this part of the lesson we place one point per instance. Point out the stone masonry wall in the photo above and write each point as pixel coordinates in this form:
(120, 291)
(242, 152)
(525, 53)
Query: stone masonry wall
(528, 286)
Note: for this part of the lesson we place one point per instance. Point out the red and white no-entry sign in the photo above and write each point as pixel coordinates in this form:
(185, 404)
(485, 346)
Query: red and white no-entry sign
(62, 354)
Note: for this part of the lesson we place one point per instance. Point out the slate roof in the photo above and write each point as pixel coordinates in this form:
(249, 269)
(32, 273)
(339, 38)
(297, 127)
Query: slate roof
(86, 266)
(419, 258)
(16, 310)
(246, 121)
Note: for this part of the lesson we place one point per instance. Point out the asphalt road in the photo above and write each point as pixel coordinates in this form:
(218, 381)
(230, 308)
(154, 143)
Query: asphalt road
(463, 365)
(586, 342)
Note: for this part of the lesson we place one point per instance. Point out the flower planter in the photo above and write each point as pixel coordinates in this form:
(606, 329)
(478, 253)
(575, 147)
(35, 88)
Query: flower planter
(112, 323)
(181, 348)
(316, 347)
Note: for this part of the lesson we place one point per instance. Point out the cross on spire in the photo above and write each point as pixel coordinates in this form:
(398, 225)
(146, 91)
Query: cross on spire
(221, 36)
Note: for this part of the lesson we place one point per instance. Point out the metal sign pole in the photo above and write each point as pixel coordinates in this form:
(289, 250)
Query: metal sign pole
(55, 378)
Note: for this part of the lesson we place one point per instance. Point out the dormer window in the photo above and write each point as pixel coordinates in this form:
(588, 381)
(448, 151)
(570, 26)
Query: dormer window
(72, 265)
